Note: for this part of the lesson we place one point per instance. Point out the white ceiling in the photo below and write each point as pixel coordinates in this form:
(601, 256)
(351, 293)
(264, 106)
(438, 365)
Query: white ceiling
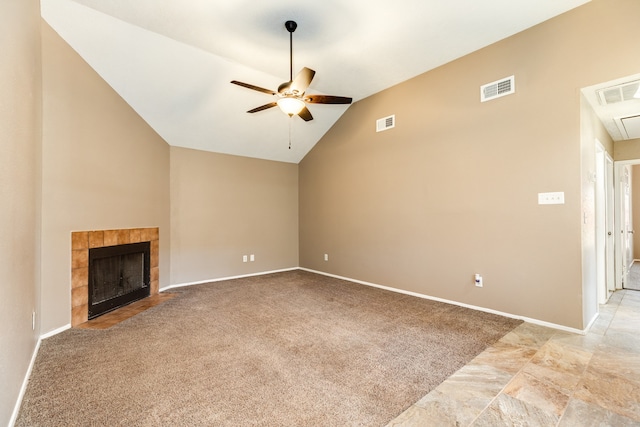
(172, 61)
(620, 119)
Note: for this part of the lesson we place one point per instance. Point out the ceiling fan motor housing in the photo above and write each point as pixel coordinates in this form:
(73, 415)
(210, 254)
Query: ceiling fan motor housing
(291, 26)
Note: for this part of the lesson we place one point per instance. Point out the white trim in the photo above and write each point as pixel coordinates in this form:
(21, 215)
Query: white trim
(595, 317)
(55, 331)
(473, 307)
(200, 282)
(25, 383)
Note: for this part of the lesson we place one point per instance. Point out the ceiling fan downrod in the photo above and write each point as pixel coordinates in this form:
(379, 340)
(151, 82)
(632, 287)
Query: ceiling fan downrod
(291, 27)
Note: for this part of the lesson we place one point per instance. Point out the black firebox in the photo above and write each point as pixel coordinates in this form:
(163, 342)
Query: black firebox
(118, 275)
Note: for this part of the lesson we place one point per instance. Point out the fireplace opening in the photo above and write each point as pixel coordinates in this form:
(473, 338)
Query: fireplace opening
(118, 275)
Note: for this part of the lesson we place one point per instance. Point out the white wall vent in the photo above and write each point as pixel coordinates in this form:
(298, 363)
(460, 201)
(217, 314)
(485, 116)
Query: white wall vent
(619, 93)
(385, 123)
(499, 88)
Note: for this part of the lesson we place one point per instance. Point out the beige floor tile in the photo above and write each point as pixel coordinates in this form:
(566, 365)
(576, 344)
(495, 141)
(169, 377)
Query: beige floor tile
(421, 417)
(587, 342)
(528, 335)
(616, 361)
(583, 414)
(539, 393)
(611, 392)
(562, 358)
(507, 357)
(508, 411)
(464, 395)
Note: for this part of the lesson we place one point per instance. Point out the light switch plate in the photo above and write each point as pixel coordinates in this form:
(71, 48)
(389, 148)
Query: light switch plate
(556, 198)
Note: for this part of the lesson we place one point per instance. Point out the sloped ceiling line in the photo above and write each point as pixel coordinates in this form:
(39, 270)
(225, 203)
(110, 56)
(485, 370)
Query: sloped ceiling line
(173, 61)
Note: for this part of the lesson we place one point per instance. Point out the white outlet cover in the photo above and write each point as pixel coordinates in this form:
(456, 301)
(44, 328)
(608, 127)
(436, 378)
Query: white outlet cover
(556, 198)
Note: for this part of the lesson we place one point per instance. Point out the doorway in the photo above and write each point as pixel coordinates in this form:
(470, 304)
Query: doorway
(627, 194)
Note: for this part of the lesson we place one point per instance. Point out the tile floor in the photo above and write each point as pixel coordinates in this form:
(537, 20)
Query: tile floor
(536, 376)
(116, 316)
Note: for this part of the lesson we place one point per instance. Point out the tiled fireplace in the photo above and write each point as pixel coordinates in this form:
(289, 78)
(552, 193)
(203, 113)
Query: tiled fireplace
(82, 241)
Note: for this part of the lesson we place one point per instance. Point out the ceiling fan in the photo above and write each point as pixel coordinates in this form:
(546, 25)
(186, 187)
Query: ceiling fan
(291, 95)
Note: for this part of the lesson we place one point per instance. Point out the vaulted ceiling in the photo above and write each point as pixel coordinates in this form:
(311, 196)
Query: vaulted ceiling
(173, 61)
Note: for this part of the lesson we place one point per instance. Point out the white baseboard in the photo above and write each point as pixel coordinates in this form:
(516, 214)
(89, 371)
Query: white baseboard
(460, 304)
(200, 282)
(23, 389)
(25, 382)
(55, 331)
(593, 320)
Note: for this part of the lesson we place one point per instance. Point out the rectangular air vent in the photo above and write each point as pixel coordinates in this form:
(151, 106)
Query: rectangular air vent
(496, 89)
(623, 92)
(630, 127)
(385, 123)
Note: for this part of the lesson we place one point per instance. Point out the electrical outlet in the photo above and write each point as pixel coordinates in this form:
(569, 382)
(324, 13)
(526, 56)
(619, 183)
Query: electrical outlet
(244, 258)
(326, 257)
(551, 198)
(478, 280)
(252, 257)
(33, 320)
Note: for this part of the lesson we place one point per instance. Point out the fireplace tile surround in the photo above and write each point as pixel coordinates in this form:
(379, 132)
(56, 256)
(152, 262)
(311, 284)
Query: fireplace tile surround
(82, 241)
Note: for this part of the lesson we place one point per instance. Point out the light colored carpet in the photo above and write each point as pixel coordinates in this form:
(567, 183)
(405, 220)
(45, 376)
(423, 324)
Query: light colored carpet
(286, 349)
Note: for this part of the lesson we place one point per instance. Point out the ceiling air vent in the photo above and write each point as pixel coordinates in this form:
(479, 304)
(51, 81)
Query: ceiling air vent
(619, 93)
(496, 89)
(385, 123)
(629, 126)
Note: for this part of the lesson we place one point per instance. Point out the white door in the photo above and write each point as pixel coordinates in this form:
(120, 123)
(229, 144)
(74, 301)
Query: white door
(604, 221)
(626, 226)
(601, 225)
(610, 225)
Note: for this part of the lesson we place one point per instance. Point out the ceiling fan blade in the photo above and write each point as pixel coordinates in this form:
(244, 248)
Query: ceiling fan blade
(327, 99)
(305, 114)
(302, 80)
(248, 86)
(263, 107)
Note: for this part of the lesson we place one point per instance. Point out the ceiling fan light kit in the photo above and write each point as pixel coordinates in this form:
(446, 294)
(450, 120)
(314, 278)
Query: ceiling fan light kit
(290, 106)
(291, 95)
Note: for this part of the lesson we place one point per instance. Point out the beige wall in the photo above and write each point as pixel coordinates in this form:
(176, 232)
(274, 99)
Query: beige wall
(20, 133)
(452, 190)
(224, 207)
(627, 150)
(103, 168)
